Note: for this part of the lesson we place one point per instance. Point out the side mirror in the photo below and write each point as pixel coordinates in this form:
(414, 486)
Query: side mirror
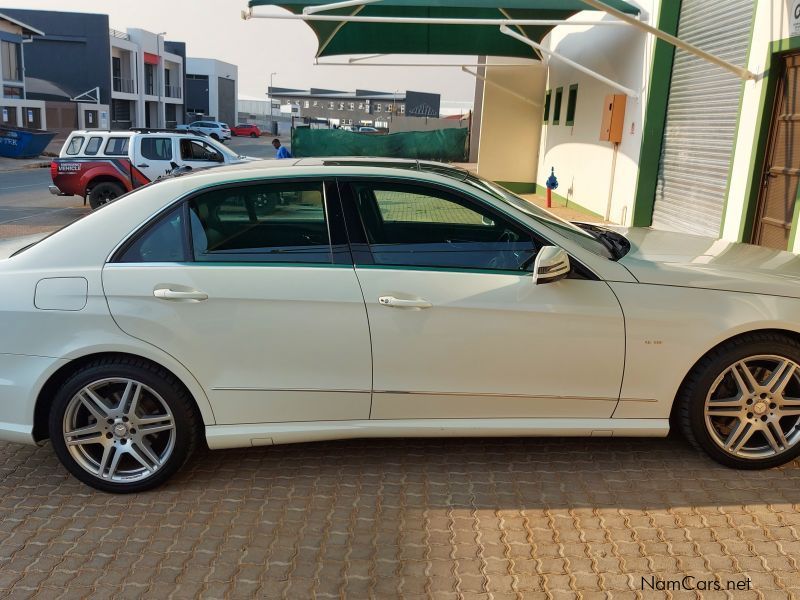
(552, 264)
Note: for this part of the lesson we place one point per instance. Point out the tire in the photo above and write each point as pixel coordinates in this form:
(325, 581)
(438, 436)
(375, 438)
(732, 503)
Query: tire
(103, 193)
(741, 403)
(253, 135)
(214, 136)
(106, 402)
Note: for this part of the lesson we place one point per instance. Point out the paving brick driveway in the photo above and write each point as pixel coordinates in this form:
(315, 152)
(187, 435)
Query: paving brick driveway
(457, 518)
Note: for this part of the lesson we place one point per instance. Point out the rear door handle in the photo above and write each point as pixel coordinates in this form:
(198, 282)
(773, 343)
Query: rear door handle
(401, 303)
(142, 166)
(170, 294)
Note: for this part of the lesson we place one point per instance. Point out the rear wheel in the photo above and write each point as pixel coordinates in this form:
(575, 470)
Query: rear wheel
(122, 425)
(214, 136)
(254, 135)
(741, 403)
(103, 193)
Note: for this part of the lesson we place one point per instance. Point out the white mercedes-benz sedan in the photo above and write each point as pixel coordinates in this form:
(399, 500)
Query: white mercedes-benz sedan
(292, 301)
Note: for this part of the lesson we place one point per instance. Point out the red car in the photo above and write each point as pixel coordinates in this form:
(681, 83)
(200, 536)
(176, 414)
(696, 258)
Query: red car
(245, 129)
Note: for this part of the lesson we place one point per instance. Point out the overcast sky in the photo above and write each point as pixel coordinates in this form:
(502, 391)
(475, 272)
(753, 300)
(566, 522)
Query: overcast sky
(214, 29)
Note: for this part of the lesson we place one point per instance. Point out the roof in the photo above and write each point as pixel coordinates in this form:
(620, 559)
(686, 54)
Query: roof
(26, 29)
(335, 95)
(338, 37)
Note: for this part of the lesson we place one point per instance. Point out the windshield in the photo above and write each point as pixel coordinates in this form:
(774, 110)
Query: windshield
(586, 239)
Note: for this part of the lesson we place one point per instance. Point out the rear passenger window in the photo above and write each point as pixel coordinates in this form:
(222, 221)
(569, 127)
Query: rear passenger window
(276, 222)
(117, 146)
(75, 145)
(93, 146)
(161, 242)
(157, 148)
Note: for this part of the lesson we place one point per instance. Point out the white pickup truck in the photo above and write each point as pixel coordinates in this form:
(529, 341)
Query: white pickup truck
(102, 165)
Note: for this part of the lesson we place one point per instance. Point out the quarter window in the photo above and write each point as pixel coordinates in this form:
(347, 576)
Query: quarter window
(93, 146)
(162, 242)
(416, 226)
(157, 148)
(557, 106)
(117, 146)
(547, 96)
(75, 145)
(275, 222)
(572, 102)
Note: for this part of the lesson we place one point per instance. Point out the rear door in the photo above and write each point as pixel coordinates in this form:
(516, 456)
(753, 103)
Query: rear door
(263, 306)
(153, 156)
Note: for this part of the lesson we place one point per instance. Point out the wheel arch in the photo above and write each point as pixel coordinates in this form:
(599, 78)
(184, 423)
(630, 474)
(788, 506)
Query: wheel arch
(45, 395)
(93, 180)
(794, 335)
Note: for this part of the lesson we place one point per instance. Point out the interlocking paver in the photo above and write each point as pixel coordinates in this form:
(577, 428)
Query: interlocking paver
(406, 519)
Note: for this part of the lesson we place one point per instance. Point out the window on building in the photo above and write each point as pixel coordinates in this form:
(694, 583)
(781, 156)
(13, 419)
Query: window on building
(572, 101)
(149, 80)
(557, 105)
(331, 105)
(341, 105)
(547, 96)
(12, 91)
(402, 109)
(389, 108)
(12, 61)
(378, 108)
(360, 106)
(352, 106)
(306, 103)
(315, 104)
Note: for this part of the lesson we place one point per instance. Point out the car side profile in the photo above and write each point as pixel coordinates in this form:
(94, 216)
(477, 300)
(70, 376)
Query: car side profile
(274, 302)
(216, 130)
(246, 130)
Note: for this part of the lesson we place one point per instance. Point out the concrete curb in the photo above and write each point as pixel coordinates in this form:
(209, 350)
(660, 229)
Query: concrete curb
(34, 165)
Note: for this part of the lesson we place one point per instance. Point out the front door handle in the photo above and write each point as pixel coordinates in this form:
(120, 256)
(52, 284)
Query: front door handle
(170, 294)
(143, 166)
(401, 303)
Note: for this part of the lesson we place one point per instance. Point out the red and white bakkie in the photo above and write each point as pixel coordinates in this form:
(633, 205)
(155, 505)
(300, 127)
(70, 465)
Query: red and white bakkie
(103, 165)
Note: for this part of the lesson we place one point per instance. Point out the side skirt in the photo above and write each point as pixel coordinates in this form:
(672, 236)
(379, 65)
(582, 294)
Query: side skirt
(267, 434)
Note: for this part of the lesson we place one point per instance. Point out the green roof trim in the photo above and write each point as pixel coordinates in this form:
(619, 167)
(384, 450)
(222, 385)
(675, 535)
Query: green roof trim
(338, 38)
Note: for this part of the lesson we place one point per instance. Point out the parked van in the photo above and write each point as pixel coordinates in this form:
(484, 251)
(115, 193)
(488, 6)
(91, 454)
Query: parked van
(102, 165)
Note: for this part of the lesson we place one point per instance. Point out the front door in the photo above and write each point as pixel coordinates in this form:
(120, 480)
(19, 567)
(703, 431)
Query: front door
(153, 156)
(782, 169)
(263, 306)
(459, 329)
(198, 154)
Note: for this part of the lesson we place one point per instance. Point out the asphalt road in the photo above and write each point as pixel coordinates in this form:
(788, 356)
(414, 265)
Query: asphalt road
(27, 206)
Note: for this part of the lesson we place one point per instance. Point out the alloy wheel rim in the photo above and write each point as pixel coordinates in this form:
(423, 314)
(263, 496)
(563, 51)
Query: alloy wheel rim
(119, 430)
(752, 410)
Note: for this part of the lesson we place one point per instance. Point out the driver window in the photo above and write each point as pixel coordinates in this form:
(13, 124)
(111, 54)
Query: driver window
(197, 150)
(416, 226)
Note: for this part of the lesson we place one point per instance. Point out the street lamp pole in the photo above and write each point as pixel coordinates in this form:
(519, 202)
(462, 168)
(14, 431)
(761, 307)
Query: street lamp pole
(161, 105)
(271, 117)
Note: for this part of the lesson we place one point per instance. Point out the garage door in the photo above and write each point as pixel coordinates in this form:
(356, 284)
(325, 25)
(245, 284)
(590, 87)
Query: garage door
(702, 112)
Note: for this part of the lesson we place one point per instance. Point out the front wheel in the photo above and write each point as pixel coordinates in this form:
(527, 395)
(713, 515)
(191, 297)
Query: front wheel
(254, 135)
(103, 193)
(741, 403)
(122, 425)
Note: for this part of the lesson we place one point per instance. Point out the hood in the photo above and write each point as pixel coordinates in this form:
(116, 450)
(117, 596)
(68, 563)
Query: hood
(11, 245)
(670, 258)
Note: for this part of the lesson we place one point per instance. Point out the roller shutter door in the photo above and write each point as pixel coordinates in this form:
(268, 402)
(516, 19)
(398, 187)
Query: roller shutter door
(702, 112)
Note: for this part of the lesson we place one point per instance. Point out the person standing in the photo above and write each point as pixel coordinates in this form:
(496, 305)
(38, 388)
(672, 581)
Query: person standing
(282, 151)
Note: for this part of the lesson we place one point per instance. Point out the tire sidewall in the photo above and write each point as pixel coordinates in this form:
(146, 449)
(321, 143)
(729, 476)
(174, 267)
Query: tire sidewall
(701, 386)
(169, 392)
(95, 201)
